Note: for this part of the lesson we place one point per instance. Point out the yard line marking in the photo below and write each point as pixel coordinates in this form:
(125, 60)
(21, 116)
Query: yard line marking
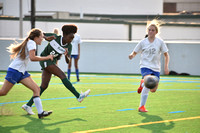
(176, 112)
(76, 107)
(136, 125)
(116, 93)
(125, 109)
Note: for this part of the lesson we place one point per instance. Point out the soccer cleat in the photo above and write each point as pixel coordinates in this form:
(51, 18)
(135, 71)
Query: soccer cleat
(142, 109)
(28, 109)
(140, 88)
(44, 114)
(83, 95)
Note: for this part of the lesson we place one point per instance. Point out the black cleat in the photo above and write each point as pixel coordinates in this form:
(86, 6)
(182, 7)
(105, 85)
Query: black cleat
(44, 114)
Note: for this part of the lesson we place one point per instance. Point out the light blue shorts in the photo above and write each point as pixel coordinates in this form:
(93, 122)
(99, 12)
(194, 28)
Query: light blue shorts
(14, 76)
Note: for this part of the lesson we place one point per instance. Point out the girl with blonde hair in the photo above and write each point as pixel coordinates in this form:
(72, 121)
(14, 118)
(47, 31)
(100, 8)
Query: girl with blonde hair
(151, 49)
(17, 70)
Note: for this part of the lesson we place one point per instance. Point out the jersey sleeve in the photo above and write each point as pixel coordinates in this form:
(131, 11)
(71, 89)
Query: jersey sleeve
(50, 34)
(69, 49)
(164, 48)
(138, 47)
(79, 40)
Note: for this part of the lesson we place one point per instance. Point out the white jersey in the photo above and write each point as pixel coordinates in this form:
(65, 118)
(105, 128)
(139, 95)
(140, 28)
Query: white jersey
(151, 53)
(75, 42)
(18, 63)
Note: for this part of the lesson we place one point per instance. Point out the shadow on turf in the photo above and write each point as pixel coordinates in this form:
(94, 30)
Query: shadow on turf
(155, 128)
(37, 125)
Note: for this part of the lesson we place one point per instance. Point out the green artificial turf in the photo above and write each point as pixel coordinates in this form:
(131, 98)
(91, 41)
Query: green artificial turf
(111, 107)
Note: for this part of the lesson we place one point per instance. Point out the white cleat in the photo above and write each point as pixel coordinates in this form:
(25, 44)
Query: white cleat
(28, 109)
(83, 95)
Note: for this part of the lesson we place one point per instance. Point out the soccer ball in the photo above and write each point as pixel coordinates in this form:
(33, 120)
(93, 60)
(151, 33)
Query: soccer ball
(151, 81)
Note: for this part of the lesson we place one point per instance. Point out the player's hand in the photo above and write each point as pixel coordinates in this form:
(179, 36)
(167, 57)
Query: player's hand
(66, 51)
(166, 71)
(50, 57)
(130, 56)
(49, 38)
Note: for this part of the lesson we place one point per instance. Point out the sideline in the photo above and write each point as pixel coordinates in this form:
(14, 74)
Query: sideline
(136, 125)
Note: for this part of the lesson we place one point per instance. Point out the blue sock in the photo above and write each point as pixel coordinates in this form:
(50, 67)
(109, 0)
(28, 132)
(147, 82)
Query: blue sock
(68, 73)
(77, 74)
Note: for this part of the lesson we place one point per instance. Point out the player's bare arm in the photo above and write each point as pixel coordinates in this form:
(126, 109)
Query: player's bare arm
(166, 69)
(132, 55)
(67, 58)
(33, 57)
(49, 38)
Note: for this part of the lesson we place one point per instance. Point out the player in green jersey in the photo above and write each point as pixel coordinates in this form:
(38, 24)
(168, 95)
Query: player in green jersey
(56, 47)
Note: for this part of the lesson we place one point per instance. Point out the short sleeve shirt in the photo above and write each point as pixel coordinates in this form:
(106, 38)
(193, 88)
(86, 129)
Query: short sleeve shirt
(20, 64)
(75, 42)
(50, 50)
(151, 53)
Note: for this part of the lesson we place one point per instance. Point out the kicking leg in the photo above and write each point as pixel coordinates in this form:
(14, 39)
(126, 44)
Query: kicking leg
(59, 73)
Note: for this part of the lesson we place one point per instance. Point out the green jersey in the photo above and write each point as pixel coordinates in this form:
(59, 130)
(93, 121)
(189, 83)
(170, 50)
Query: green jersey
(56, 48)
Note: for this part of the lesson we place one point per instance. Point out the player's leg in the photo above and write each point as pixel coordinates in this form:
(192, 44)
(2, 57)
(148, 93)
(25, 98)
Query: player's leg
(69, 68)
(143, 99)
(6, 87)
(157, 74)
(12, 77)
(144, 72)
(141, 86)
(29, 83)
(154, 89)
(46, 76)
(59, 73)
(76, 67)
(144, 91)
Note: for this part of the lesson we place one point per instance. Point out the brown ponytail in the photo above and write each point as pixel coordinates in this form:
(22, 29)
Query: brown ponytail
(14, 49)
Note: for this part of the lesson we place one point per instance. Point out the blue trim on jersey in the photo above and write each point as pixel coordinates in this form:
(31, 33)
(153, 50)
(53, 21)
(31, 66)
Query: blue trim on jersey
(147, 71)
(14, 76)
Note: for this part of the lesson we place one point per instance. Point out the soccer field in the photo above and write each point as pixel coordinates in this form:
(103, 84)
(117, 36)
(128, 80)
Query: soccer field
(111, 107)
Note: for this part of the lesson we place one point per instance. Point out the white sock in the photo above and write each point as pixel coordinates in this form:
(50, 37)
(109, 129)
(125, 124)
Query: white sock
(38, 104)
(143, 84)
(144, 96)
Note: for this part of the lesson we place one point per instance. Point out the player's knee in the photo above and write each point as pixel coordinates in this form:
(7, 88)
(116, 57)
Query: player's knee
(153, 90)
(44, 87)
(62, 75)
(3, 93)
(36, 92)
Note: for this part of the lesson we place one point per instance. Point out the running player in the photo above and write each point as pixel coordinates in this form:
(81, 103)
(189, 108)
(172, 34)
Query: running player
(60, 45)
(151, 48)
(16, 73)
